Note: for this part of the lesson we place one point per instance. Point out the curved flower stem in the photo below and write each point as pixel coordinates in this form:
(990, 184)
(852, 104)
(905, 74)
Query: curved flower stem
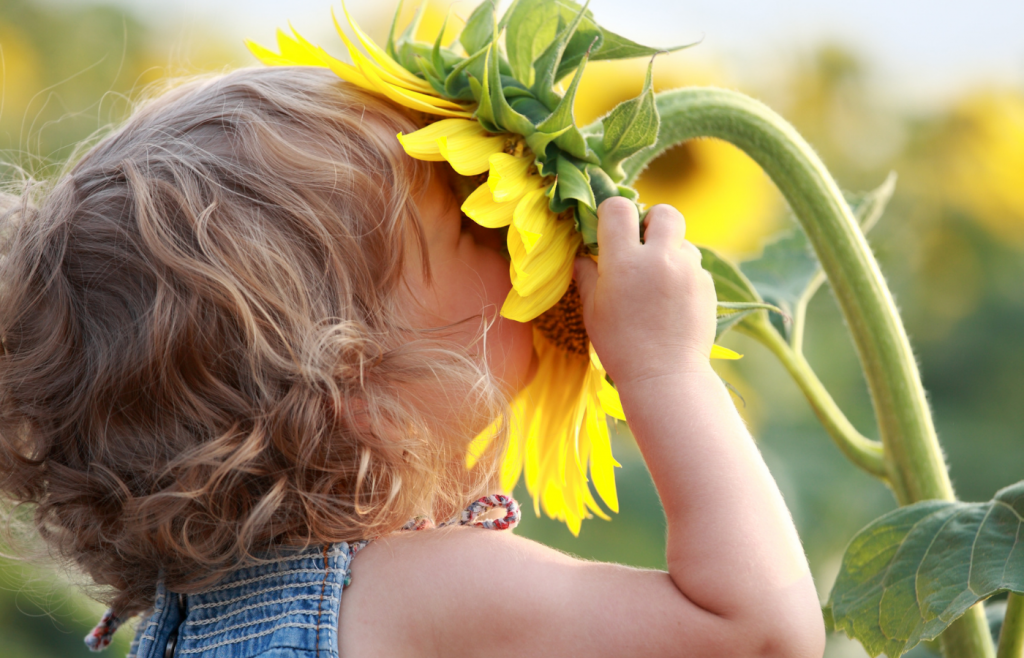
(1011, 638)
(914, 463)
(862, 451)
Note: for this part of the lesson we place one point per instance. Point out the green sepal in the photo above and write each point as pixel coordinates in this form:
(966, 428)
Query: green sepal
(531, 108)
(483, 112)
(602, 184)
(547, 63)
(479, 30)
(389, 47)
(435, 56)
(630, 127)
(539, 141)
(403, 51)
(628, 192)
(505, 117)
(586, 224)
(513, 87)
(531, 26)
(562, 119)
(573, 184)
(456, 85)
(427, 69)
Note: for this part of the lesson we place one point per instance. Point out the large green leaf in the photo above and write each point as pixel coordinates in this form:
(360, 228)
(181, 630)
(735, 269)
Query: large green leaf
(631, 127)
(787, 270)
(730, 283)
(912, 572)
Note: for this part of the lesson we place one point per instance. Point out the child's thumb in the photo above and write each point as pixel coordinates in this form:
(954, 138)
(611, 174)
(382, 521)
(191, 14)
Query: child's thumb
(585, 273)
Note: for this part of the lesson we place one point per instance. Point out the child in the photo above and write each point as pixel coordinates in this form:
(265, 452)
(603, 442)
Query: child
(246, 333)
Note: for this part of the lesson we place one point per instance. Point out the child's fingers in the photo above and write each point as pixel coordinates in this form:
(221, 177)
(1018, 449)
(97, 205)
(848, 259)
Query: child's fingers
(618, 227)
(665, 226)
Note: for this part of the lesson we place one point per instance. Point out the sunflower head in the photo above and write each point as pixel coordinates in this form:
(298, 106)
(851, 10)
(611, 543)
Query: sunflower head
(494, 110)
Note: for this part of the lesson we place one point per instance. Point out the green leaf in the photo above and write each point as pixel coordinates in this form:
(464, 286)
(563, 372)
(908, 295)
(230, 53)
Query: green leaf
(868, 207)
(909, 574)
(609, 45)
(732, 313)
(786, 268)
(573, 183)
(730, 283)
(532, 26)
(632, 126)
(479, 29)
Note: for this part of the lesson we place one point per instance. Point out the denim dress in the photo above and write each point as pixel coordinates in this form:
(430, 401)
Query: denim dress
(286, 608)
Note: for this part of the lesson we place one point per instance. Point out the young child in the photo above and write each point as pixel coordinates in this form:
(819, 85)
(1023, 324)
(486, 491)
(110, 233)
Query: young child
(246, 333)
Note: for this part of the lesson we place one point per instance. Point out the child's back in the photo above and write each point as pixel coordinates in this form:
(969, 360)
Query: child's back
(236, 333)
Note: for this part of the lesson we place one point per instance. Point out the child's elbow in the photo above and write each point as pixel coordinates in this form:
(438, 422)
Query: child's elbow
(796, 630)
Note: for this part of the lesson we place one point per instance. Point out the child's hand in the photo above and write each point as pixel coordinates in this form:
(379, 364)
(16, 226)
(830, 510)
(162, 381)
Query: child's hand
(649, 308)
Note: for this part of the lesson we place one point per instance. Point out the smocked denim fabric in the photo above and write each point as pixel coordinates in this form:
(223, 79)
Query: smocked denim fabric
(284, 609)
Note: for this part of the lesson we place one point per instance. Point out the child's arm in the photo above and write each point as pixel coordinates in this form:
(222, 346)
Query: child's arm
(738, 583)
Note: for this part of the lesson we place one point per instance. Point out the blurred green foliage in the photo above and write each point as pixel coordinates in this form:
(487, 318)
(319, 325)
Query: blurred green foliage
(951, 245)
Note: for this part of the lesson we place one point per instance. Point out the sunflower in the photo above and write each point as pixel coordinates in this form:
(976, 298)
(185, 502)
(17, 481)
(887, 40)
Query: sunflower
(490, 114)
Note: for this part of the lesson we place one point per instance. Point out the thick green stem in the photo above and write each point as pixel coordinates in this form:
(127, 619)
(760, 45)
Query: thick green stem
(860, 450)
(917, 469)
(914, 463)
(1011, 638)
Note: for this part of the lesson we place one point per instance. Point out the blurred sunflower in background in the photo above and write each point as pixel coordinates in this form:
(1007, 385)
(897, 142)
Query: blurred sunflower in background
(980, 150)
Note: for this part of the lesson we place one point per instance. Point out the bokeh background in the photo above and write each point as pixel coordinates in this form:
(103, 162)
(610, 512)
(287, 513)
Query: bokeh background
(932, 90)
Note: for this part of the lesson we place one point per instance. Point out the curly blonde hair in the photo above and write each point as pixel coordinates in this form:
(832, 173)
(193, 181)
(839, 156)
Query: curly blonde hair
(204, 351)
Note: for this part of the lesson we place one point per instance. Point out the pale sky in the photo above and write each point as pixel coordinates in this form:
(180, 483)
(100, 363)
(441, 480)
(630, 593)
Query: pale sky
(918, 50)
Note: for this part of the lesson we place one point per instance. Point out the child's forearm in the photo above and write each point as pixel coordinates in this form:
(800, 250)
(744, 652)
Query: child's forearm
(731, 540)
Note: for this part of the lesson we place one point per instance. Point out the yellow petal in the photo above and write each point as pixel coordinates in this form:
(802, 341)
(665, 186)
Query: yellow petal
(422, 144)
(411, 99)
(533, 218)
(544, 264)
(267, 56)
(719, 352)
(481, 207)
(470, 154)
(524, 309)
(296, 50)
(509, 177)
(378, 55)
(481, 442)
(609, 398)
